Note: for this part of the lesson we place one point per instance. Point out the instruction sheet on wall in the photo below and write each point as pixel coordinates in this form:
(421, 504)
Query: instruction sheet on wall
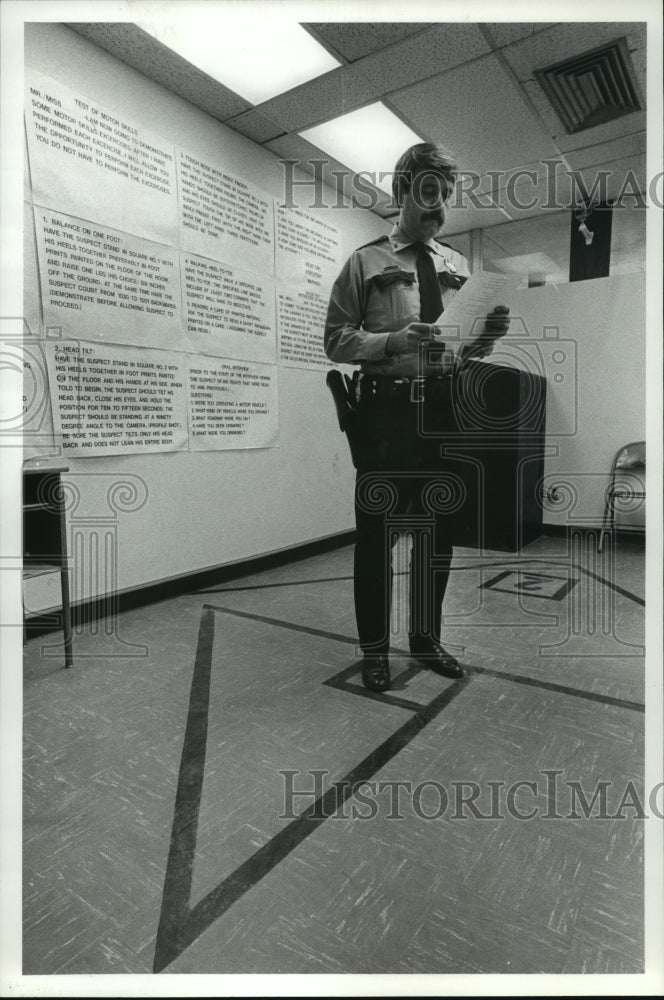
(114, 400)
(101, 284)
(91, 162)
(231, 404)
(308, 259)
(169, 287)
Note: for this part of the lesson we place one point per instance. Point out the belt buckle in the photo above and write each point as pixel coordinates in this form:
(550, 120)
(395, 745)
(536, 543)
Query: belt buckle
(417, 390)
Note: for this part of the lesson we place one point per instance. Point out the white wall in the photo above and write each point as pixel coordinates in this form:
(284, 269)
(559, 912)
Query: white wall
(211, 508)
(597, 405)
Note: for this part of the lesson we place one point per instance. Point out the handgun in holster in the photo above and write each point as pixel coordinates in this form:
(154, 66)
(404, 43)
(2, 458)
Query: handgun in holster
(343, 389)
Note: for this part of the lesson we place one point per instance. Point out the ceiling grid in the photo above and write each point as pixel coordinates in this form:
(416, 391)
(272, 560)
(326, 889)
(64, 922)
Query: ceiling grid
(471, 86)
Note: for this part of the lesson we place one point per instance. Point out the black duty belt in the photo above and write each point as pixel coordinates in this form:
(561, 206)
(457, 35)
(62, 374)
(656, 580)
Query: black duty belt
(412, 390)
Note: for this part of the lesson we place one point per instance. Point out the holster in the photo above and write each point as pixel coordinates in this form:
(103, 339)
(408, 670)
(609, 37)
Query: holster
(344, 395)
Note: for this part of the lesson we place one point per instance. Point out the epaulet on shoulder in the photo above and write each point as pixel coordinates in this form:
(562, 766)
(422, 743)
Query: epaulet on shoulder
(443, 244)
(373, 243)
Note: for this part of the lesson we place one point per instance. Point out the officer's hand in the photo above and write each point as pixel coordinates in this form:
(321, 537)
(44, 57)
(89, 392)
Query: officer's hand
(407, 340)
(496, 325)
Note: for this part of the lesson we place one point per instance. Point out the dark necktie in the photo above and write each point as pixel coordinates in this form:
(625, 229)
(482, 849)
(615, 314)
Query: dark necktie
(431, 299)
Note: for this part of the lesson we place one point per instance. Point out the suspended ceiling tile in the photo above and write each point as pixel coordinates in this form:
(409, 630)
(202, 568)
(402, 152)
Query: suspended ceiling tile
(315, 101)
(626, 125)
(294, 147)
(478, 112)
(438, 48)
(548, 234)
(374, 77)
(609, 132)
(255, 125)
(563, 41)
(544, 110)
(510, 176)
(461, 219)
(506, 34)
(144, 53)
(339, 188)
(358, 88)
(556, 189)
(525, 197)
(623, 146)
(624, 177)
(354, 40)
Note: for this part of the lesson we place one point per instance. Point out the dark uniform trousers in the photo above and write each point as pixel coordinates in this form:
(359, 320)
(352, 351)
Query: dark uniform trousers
(399, 487)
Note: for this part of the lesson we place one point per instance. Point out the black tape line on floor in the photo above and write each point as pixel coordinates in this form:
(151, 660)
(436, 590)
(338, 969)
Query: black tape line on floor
(604, 699)
(180, 864)
(179, 925)
(453, 569)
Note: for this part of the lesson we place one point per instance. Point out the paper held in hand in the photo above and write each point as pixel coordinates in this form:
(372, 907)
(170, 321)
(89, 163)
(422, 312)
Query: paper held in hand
(462, 321)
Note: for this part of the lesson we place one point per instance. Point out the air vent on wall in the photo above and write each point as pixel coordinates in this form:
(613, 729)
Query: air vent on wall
(592, 88)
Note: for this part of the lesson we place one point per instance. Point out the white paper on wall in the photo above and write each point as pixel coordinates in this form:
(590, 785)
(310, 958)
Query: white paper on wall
(32, 316)
(307, 250)
(232, 404)
(37, 432)
(101, 284)
(228, 311)
(301, 320)
(222, 216)
(109, 399)
(91, 162)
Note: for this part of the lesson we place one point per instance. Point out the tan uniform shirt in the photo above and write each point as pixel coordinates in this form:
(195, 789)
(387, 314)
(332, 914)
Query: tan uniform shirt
(376, 293)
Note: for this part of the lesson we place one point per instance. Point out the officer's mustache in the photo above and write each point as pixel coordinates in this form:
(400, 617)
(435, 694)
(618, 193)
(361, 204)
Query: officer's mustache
(434, 216)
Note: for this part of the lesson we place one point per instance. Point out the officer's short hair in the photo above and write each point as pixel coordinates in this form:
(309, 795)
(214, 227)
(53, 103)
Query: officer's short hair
(425, 157)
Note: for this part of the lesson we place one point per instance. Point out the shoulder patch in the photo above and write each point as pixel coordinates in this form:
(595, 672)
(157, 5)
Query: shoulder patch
(373, 243)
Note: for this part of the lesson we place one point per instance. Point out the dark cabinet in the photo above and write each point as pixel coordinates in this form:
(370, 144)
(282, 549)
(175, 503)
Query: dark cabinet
(497, 457)
(45, 539)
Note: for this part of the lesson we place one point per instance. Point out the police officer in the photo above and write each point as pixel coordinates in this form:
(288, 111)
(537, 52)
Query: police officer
(381, 316)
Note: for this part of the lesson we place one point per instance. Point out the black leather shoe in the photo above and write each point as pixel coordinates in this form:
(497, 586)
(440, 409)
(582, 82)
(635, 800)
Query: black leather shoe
(376, 673)
(432, 655)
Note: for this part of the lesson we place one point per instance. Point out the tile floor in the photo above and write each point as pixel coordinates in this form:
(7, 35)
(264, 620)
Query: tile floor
(160, 832)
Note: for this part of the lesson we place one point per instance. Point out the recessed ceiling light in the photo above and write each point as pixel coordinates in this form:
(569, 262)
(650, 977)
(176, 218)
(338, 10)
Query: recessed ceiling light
(256, 56)
(370, 139)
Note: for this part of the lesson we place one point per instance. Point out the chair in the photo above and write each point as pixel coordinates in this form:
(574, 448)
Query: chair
(628, 469)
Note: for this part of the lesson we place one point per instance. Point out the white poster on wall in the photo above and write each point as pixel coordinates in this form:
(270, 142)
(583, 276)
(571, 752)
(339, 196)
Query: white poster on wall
(92, 162)
(228, 311)
(301, 320)
(307, 249)
(32, 316)
(101, 284)
(109, 399)
(232, 404)
(223, 216)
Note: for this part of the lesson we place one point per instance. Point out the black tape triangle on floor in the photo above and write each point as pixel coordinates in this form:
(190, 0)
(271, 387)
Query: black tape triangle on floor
(179, 924)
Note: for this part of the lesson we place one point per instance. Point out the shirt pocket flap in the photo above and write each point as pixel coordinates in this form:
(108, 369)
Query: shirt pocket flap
(388, 278)
(449, 280)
